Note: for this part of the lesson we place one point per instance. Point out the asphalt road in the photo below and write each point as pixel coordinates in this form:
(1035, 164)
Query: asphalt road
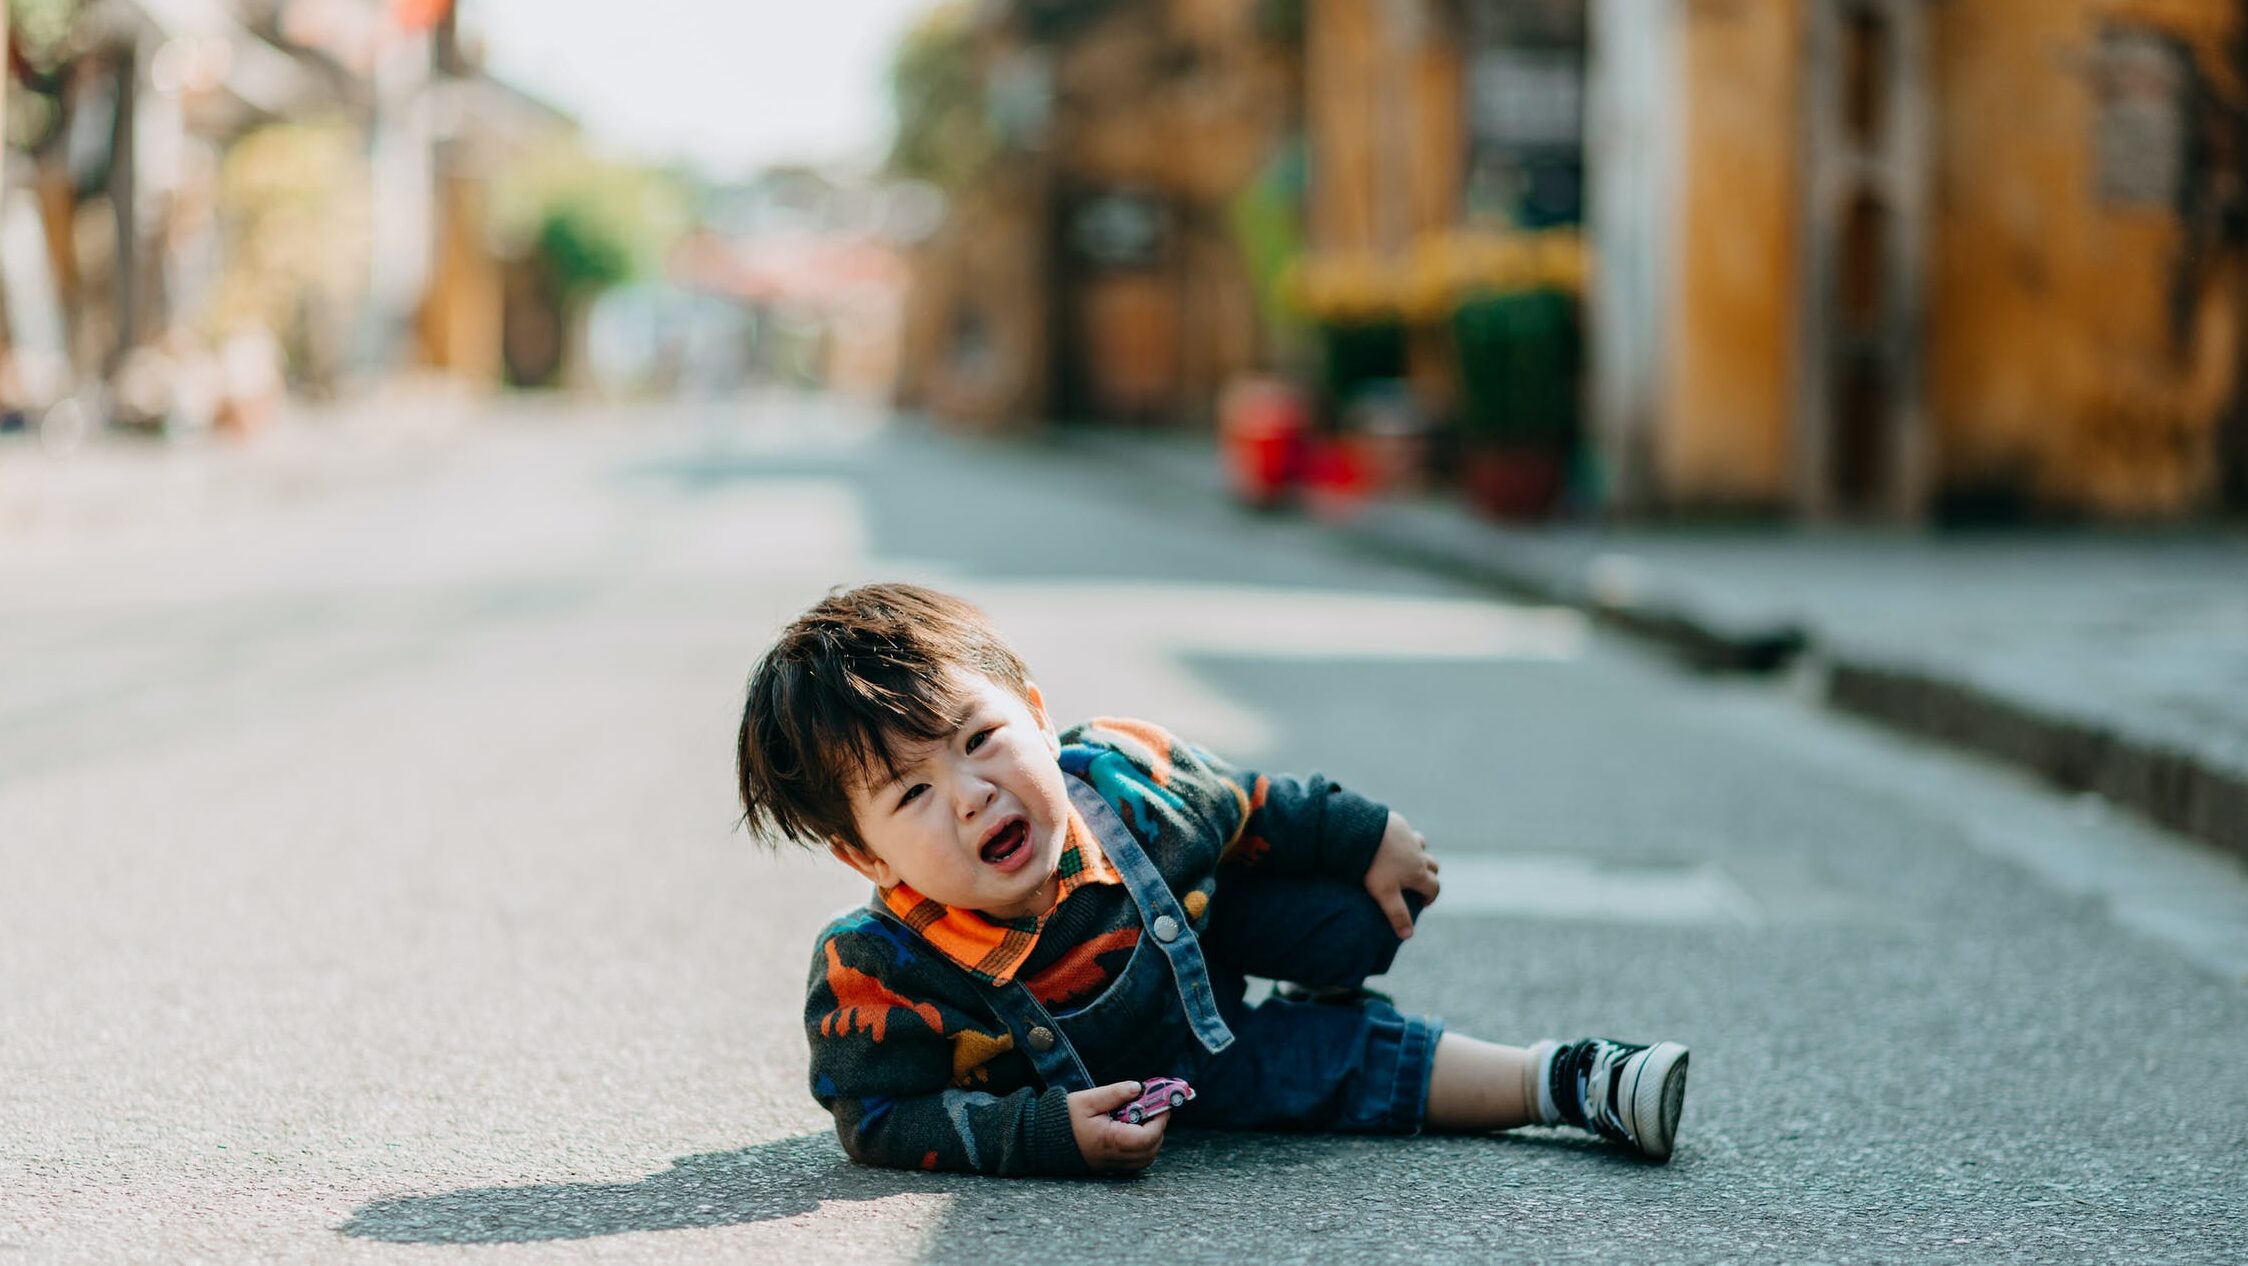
(369, 881)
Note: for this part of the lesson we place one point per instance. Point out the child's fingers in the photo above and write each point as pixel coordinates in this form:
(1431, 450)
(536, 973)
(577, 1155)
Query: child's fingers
(1129, 1147)
(1145, 1141)
(1400, 918)
(1152, 1128)
(1148, 1131)
(1106, 1099)
(1429, 885)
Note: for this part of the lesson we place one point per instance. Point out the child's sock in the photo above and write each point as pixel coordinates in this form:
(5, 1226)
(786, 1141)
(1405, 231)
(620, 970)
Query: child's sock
(1537, 1085)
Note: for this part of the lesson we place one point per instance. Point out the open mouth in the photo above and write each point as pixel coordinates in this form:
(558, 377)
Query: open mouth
(1007, 847)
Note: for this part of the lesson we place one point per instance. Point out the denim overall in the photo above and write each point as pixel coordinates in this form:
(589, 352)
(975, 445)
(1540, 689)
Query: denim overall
(1356, 1065)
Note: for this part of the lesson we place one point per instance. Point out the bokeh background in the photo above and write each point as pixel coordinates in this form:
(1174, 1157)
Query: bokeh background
(1662, 446)
(1879, 261)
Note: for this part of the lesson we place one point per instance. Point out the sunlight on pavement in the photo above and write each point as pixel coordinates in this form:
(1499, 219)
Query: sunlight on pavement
(1120, 648)
(1588, 889)
(1099, 647)
(794, 527)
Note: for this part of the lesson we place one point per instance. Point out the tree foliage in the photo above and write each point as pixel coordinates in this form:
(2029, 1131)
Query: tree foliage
(44, 31)
(592, 222)
(936, 88)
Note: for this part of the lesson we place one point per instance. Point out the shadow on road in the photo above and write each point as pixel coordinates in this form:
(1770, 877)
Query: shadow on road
(1284, 1184)
(770, 1180)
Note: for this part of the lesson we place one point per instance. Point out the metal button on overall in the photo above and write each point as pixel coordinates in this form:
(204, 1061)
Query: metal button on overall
(1166, 928)
(1041, 1039)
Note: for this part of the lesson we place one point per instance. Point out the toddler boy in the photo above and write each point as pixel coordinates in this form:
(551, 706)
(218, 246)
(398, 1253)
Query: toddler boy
(1057, 917)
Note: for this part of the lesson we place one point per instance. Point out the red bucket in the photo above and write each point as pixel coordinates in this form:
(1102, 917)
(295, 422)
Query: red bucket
(1261, 428)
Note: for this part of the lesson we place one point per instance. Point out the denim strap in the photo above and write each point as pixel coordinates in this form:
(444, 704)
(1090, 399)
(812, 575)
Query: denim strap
(1155, 901)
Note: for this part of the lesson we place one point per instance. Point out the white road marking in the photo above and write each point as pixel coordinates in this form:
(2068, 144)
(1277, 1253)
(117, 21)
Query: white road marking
(1583, 888)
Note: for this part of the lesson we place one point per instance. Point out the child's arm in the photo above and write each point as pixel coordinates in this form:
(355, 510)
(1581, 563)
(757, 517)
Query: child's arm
(1278, 823)
(882, 1064)
(1307, 825)
(1315, 825)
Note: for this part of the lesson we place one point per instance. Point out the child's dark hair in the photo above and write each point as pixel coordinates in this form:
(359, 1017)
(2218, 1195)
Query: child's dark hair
(864, 671)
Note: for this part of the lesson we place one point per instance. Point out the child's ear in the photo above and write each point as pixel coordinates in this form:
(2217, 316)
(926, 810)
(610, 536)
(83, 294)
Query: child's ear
(1037, 700)
(874, 868)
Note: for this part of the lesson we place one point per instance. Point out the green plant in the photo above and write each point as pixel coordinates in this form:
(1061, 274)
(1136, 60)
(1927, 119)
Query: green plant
(1267, 223)
(1518, 358)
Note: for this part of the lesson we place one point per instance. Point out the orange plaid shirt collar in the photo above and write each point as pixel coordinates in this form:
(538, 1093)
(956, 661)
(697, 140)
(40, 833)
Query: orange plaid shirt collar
(994, 950)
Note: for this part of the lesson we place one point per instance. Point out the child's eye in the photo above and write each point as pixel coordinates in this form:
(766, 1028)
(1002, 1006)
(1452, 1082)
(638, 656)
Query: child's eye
(912, 792)
(976, 739)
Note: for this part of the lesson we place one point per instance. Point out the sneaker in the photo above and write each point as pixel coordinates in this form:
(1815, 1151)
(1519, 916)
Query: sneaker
(1628, 1093)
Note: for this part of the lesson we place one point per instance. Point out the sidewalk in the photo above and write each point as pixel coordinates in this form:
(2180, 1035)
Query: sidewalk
(2108, 662)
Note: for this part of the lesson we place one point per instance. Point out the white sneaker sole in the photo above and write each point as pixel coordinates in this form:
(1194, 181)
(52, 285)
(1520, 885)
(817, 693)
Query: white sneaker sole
(1654, 1098)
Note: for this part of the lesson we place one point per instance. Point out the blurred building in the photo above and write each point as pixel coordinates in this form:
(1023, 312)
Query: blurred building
(1888, 258)
(1091, 271)
(206, 201)
(1834, 259)
(1858, 259)
(122, 112)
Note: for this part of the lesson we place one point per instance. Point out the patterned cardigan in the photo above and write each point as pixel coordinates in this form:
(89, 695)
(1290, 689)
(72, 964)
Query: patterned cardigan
(916, 1069)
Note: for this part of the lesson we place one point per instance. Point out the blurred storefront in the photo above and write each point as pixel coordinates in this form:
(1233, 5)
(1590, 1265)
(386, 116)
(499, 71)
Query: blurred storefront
(1887, 259)
(122, 116)
(1873, 260)
(1444, 254)
(1852, 259)
(1091, 269)
(207, 202)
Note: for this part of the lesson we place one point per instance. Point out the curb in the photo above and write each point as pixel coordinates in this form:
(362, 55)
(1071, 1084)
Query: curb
(2177, 789)
(2180, 790)
(1403, 534)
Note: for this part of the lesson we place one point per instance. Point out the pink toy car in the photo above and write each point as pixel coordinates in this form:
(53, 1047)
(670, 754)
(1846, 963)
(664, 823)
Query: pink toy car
(1158, 1095)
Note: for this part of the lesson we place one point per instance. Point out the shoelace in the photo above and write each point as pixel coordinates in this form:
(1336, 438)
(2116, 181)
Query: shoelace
(1596, 1089)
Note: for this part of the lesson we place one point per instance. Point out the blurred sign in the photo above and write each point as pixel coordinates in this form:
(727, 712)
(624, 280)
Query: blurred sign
(2142, 81)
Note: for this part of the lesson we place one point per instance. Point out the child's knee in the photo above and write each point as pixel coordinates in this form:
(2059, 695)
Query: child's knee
(1316, 932)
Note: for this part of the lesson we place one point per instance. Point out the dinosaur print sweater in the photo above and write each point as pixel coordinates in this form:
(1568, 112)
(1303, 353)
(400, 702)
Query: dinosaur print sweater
(918, 1071)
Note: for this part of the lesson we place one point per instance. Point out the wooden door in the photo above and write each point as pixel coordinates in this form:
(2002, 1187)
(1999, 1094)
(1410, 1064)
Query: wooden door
(1860, 420)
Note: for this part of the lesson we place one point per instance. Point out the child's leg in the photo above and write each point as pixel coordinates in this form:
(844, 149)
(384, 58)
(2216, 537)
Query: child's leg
(1318, 932)
(1621, 1091)
(1355, 1067)
(1477, 1085)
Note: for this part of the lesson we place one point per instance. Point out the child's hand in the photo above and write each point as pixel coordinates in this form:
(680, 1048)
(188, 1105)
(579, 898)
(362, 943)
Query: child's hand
(1402, 864)
(1108, 1145)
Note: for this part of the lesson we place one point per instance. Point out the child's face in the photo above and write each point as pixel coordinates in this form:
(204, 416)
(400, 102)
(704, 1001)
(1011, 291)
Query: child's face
(978, 820)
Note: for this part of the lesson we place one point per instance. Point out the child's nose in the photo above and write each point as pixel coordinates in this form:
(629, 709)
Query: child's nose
(973, 794)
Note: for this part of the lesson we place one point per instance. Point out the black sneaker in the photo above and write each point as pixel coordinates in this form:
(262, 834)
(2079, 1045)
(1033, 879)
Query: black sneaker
(1628, 1093)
